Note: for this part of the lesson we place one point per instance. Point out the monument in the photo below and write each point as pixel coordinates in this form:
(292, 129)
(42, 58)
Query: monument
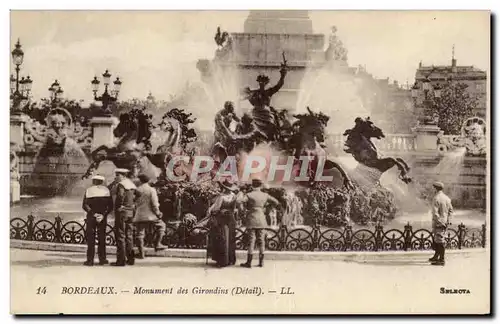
(268, 36)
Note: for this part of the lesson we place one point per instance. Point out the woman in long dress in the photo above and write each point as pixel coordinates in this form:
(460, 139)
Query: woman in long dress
(222, 236)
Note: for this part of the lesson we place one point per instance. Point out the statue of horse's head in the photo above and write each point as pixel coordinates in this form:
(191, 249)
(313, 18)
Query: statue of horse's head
(311, 124)
(134, 126)
(369, 130)
(126, 125)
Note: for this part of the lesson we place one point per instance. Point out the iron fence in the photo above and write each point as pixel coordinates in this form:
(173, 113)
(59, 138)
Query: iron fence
(315, 238)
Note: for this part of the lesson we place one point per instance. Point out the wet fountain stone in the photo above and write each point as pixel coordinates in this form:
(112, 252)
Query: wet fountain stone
(52, 157)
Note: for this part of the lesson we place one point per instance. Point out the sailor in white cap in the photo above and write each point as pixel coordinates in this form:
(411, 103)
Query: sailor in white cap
(442, 210)
(97, 202)
(124, 214)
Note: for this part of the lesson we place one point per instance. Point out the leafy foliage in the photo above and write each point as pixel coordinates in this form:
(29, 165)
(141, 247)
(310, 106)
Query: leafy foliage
(325, 205)
(180, 198)
(454, 106)
(322, 204)
(372, 206)
(39, 110)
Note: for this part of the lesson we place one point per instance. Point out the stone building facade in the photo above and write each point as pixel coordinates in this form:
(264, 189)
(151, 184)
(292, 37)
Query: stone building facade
(475, 78)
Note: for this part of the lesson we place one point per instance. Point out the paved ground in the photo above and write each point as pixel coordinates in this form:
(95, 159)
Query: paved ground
(334, 287)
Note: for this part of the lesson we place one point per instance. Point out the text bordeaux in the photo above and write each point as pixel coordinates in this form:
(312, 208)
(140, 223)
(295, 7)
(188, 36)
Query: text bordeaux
(101, 290)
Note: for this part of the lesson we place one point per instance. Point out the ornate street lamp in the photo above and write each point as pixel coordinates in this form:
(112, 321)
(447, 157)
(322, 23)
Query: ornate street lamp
(19, 88)
(414, 91)
(437, 91)
(109, 96)
(150, 100)
(430, 116)
(55, 91)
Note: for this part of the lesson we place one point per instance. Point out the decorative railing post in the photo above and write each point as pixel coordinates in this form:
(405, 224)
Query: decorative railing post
(282, 237)
(348, 238)
(30, 229)
(315, 237)
(379, 237)
(85, 231)
(407, 237)
(483, 235)
(461, 235)
(183, 235)
(58, 229)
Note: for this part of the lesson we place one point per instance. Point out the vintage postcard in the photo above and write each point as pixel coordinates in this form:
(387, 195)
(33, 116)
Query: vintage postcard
(250, 162)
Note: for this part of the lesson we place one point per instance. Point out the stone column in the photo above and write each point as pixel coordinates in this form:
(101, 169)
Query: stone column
(17, 129)
(103, 130)
(15, 186)
(17, 123)
(426, 137)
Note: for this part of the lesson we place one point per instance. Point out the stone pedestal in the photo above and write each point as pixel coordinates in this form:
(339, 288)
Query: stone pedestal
(426, 137)
(260, 47)
(15, 191)
(102, 128)
(17, 129)
(16, 143)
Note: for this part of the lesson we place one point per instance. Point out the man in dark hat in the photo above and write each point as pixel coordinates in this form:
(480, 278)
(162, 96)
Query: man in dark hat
(97, 202)
(148, 213)
(441, 216)
(255, 221)
(124, 214)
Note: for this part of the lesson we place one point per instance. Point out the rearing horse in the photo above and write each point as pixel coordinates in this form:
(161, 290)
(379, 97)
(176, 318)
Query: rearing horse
(307, 139)
(133, 133)
(359, 144)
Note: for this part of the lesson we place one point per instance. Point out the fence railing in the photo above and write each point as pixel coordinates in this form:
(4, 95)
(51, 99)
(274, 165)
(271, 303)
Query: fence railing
(315, 238)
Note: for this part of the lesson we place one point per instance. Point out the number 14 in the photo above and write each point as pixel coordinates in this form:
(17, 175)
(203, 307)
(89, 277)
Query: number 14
(41, 290)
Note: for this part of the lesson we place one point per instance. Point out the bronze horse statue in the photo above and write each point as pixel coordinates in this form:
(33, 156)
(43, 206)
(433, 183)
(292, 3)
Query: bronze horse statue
(133, 132)
(363, 150)
(303, 137)
(306, 138)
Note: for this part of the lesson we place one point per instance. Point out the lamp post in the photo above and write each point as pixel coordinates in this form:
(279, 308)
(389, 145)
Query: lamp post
(150, 100)
(427, 116)
(108, 96)
(56, 92)
(19, 88)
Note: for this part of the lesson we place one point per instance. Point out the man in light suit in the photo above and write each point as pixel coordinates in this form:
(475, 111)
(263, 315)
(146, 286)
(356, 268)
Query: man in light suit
(255, 221)
(441, 217)
(148, 213)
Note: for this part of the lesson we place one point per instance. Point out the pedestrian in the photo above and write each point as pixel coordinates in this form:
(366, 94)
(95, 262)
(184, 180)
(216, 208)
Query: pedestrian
(148, 213)
(222, 223)
(97, 202)
(255, 220)
(124, 214)
(441, 218)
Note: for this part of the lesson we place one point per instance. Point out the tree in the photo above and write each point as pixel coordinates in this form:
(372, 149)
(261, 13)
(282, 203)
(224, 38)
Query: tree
(454, 106)
(39, 110)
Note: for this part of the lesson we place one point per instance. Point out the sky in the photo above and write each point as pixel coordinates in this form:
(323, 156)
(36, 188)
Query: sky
(157, 51)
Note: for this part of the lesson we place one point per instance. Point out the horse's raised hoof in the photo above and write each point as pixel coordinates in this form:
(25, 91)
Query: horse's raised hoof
(349, 185)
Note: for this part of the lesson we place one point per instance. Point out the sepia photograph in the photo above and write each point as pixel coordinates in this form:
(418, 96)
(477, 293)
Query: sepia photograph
(250, 162)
